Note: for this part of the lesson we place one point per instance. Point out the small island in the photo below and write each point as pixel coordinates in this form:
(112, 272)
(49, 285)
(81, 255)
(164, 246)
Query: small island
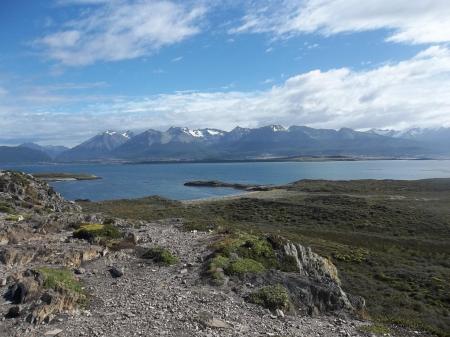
(58, 176)
(237, 186)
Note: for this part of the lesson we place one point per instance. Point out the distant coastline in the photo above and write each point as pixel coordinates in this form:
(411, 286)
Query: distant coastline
(65, 176)
(296, 159)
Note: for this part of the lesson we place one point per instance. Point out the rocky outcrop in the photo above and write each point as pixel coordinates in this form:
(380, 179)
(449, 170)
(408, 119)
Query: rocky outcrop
(23, 191)
(311, 264)
(323, 286)
(40, 299)
(216, 183)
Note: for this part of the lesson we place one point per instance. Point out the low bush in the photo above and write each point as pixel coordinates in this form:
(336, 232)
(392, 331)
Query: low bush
(244, 266)
(92, 232)
(271, 297)
(161, 256)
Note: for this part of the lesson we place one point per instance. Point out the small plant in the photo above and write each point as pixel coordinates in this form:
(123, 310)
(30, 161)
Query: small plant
(357, 255)
(271, 297)
(217, 266)
(62, 280)
(248, 246)
(376, 329)
(5, 208)
(13, 217)
(244, 266)
(91, 232)
(161, 256)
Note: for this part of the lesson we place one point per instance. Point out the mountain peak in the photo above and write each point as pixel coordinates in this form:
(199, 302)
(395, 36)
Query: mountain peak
(277, 128)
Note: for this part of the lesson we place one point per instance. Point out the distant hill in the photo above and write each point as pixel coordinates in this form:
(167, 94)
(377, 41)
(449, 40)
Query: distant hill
(96, 148)
(51, 150)
(433, 140)
(19, 154)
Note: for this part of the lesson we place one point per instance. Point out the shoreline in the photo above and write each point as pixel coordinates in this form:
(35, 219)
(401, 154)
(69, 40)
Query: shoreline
(308, 159)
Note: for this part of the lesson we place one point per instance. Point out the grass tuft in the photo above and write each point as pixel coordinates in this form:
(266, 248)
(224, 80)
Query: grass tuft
(92, 232)
(271, 297)
(161, 256)
(244, 266)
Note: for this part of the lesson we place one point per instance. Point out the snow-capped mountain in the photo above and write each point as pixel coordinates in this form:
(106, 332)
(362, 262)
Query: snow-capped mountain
(97, 147)
(434, 140)
(182, 143)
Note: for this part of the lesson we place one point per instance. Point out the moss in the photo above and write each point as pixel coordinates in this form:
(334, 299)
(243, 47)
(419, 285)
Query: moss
(244, 266)
(6, 208)
(288, 263)
(356, 255)
(376, 329)
(161, 256)
(247, 246)
(91, 232)
(14, 217)
(216, 268)
(62, 280)
(271, 297)
(201, 226)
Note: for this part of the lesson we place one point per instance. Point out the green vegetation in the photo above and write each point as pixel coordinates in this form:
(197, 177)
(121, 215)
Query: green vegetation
(62, 280)
(96, 232)
(14, 217)
(161, 256)
(19, 178)
(390, 240)
(271, 297)
(244, 266)
(6, 208)
(376, 329)
(51, 176)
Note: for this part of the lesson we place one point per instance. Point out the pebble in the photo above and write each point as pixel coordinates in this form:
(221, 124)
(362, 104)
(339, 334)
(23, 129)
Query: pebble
(53, 332)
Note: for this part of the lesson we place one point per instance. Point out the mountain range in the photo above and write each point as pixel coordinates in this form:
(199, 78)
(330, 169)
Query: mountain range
(268, 142)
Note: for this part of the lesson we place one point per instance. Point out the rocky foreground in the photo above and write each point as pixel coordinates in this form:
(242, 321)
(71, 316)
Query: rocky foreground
(66, 273)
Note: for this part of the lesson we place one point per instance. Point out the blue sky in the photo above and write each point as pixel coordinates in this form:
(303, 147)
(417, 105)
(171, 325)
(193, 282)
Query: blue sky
(72, 68)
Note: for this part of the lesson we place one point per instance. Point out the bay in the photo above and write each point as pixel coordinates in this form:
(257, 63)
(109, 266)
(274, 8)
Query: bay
(121, 181)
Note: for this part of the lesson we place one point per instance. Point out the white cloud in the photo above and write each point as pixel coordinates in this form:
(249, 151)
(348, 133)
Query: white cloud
(120, 30)
(177, 59)
(397, 95)
(424, 21)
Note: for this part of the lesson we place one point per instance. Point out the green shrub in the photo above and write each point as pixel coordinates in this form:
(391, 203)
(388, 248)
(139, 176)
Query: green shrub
(62, 280)
(91, 232)
(161, 256)
(5, 208)
(248, 246)
(244, 266)
(271, 297)
(376, 329)
(217, 266)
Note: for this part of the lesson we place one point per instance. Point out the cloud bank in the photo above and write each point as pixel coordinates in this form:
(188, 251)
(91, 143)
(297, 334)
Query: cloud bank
(415, 22)
(120, 30)
(413, 92)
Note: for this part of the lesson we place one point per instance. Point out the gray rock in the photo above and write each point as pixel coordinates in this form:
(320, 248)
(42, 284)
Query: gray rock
(116, 272)
(13, 312)
(280, 313)
(207, 320)
(79, 271)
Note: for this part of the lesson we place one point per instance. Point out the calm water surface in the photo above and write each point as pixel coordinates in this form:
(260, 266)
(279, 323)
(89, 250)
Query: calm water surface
(133, 181)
